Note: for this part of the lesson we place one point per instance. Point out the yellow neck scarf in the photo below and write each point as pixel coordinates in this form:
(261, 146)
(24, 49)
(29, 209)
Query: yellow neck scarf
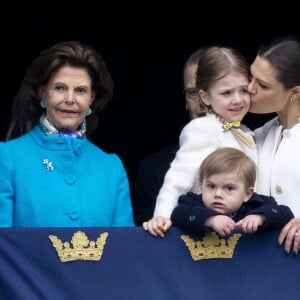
(228, 125)
(240, 135)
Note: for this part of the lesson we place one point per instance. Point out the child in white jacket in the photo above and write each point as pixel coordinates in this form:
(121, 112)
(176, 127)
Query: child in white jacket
(222, 81)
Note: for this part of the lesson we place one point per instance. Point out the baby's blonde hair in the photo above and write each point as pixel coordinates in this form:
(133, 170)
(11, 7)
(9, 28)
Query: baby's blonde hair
(226, 160)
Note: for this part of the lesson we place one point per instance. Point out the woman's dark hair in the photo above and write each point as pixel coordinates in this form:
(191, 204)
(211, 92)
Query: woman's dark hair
(26, 109)
(283, 53)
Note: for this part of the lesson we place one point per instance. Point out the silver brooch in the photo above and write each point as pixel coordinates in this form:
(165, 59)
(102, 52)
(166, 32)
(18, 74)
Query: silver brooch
(48, 164)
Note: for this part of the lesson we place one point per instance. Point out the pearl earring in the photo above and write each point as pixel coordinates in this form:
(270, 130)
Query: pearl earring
(42, 104)
(89, 112)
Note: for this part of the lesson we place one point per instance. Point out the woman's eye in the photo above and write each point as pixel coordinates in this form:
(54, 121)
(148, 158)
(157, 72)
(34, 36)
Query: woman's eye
(59, 88)
(81, 91)
(263, 86)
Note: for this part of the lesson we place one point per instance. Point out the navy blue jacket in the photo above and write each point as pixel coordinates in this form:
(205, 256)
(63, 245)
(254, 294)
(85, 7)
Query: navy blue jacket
(148, 181)
(190, 213)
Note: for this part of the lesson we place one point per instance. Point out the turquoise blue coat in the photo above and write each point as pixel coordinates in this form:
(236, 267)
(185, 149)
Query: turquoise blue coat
(61, 182)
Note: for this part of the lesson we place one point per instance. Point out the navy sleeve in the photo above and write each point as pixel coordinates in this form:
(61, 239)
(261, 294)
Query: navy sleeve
(144, 194)
(190, 213)
(276, 215)
(148, 181)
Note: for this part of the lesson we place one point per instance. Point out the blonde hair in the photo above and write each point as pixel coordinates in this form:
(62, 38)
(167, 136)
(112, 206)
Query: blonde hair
(226, 160)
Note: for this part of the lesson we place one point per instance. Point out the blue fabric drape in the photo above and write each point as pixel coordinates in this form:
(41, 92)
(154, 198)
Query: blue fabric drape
(135, 265)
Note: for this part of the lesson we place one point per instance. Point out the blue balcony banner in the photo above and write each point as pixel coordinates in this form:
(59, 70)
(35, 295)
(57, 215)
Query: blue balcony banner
(135, 265)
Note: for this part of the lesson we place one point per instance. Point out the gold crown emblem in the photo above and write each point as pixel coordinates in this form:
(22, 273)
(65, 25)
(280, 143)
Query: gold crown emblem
(82, 248)
(211, 246)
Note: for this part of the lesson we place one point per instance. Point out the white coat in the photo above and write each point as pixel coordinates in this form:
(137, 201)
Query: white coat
(279, 163)
(199, 137)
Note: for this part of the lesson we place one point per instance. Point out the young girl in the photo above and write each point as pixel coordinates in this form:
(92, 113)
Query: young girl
(222, 81)
(227, 177)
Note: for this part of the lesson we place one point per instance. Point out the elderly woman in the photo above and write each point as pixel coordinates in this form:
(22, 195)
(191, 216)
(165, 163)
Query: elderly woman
(51, 174)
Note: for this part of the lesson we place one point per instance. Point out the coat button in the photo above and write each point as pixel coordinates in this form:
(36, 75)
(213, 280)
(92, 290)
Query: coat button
(70, 179)
(278, 189)
(78, 149)
(192, 218)
(74, 215)
(286, 133)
